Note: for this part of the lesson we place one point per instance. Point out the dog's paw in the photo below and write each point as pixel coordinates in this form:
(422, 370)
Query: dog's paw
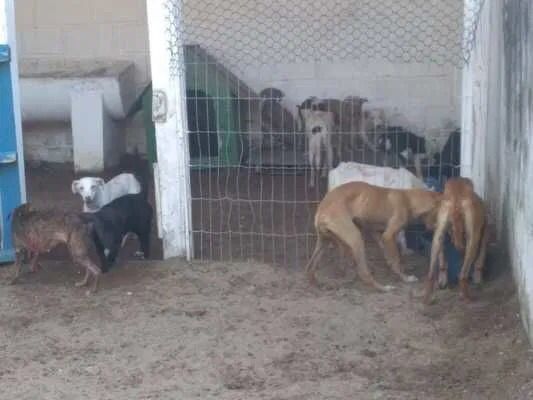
(80, 283)
(407, 252)
(477, 278)
(411, 279)
(139, 254)
(443, 281)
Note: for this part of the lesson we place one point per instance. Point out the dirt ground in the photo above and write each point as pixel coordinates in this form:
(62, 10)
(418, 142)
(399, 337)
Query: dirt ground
(172, 330)
(248, 330)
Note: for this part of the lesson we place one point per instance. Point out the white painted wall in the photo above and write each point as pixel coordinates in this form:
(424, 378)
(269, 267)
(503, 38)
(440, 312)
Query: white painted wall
(499, 118)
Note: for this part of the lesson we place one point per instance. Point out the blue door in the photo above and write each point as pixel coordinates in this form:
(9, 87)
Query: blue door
(10, 190)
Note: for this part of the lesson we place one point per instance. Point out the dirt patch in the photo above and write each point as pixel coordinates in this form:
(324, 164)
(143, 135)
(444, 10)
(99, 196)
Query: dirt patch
(168, 330)
(250, 331)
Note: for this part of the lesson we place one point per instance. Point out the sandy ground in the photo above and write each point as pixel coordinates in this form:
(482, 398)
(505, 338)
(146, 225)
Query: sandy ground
(251, 330)
(173, 330)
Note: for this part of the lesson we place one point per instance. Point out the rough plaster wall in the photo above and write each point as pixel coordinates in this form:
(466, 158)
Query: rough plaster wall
(81, 29)
(518, 141)
(503, 93)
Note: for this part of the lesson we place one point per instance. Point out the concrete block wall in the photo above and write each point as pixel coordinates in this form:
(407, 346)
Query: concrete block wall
(61, 30)
(78, 29)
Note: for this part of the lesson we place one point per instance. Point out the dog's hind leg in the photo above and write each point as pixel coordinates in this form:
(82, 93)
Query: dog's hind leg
(436, 251)
(144, 240)
(90, 269)
(392, 254)
(349, 235)
(18, 265)
(377, 238)
(85, 279)
(402, 242)
(479, 264)
(473, 240)
(112, 253)
(313, 261)
(443, 270)
(35, 266)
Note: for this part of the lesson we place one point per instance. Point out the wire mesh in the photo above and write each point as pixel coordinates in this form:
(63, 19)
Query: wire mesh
(254, 192)
(255, 32)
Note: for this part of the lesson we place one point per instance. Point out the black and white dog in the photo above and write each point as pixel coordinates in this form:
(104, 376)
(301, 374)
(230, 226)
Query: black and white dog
(109, 226)
(446, 164)
(405, 144)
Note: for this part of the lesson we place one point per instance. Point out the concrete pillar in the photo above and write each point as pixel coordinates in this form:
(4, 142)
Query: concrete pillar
(96, 140)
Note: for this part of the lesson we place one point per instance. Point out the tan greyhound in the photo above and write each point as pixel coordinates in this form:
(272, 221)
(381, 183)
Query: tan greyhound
(462, 210)
(354, 206)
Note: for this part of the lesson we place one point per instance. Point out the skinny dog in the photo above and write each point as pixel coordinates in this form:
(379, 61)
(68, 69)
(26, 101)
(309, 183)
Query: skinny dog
(463, 212)
(353, 206)
(39, 231)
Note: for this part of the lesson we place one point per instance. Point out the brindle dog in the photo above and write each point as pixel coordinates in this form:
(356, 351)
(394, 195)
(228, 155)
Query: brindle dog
(39, 231)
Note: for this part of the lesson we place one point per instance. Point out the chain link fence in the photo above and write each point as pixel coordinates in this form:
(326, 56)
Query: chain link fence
(250, 165)
(253, 32)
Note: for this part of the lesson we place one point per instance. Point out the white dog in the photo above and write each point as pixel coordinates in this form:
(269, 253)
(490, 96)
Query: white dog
(379, 176)
(96, 193)
(319, 128)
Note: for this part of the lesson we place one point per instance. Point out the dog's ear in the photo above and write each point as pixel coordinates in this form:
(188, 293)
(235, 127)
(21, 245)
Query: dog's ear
(99, 182)
(75, 186)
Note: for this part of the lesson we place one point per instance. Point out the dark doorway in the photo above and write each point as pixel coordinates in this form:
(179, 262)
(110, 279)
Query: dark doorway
(202, 120)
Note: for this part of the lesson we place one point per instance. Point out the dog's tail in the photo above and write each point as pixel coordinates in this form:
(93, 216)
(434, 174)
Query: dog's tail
(457, 226)
(139, 167)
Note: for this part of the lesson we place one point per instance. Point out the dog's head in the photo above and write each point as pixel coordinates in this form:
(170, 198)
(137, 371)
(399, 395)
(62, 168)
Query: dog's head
(20, 211)
(311, 103)
(272, 94)
(316, 129)
(87, 188)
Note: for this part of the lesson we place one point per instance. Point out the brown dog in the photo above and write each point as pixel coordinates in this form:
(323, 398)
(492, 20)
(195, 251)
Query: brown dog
(348, 208)
(462, 212)
(38, 232)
